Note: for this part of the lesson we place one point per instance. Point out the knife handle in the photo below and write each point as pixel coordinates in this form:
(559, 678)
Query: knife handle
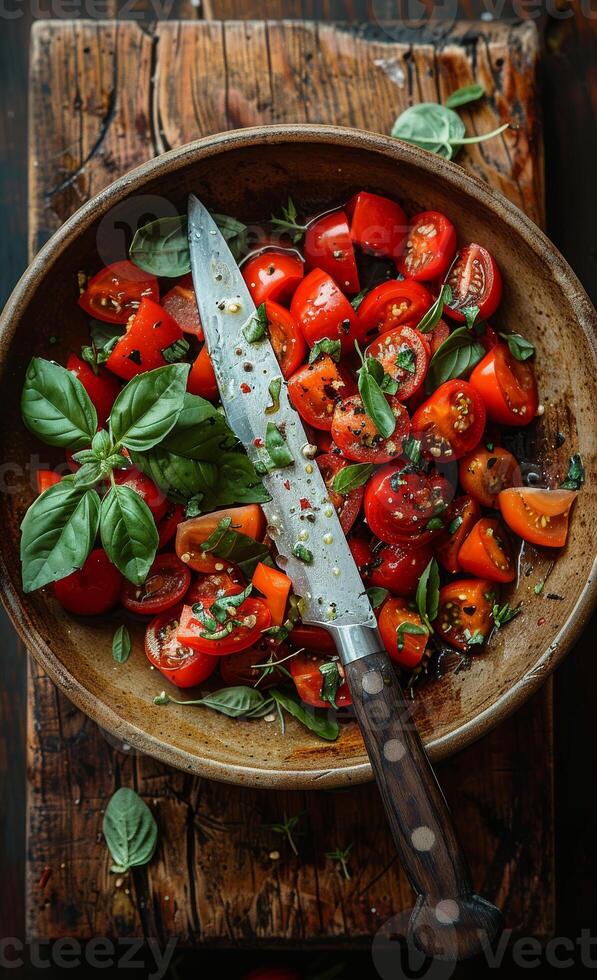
(448, 918)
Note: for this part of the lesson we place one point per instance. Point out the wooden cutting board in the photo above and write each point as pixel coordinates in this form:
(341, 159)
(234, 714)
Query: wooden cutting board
(105, 97)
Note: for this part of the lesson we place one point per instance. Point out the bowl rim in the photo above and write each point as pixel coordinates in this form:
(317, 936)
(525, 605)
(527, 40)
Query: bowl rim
(386, 146)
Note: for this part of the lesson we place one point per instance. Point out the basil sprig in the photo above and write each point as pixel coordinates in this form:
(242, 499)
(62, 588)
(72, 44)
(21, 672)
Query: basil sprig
(234, 702)
(55, 406)
(520, 348)
(317, 720)
(427, 595)
(161, 247)
(373, 383)
(436, 128)
(128, 533)
(130, 831)
(455, 358)
(148, 407)
(288, 222)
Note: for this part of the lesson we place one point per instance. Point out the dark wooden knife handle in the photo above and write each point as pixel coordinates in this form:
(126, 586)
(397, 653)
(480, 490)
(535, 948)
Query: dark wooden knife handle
(448, 919)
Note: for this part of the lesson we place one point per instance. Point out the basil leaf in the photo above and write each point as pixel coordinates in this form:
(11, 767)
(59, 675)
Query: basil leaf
(274, 388)
(351, 477)
(121, 645)
(358, 299)
(288, 222)
(234, 232)
(377, 596)
(130, 830)
(376, 404)
(89, 474)
(96, 356)
(427, 595)
(220, 607)
(276, 447)
(431, 318)
(128, 532)
(406, 361)
(238, 482)
(162, 247)
(55, 406)
(519, 346)
(455, 524)
(255, 328)
(103, 334)
(504, 614)
(303, 553)
(178, 477)
(57, 533)
(474, 639)
(239, 549)
(200, 431)
(176, 352)
(315, 719)
(462, 96)
(412, 628)
(148, 407)
(411, 448)
(436, 128)
(470, 315)
(101, 445)
(234, 702)
(332, 681)
(575, 476)
(455, 358)
(333, 349)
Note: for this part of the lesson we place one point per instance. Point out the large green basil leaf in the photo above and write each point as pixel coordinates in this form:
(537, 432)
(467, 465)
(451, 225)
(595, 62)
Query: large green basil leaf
(180, 478)
(162, 247)
(130, 830)
(238, 481)
(148, 407)
(235, 702)
(316, 720)
(200, 432)
(56, 407)
(237, 548)
(58, 532)
(455, 358)
(128, 532)
(430, 126)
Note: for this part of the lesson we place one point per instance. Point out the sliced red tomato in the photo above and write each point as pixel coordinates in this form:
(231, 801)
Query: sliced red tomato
(436, 337)
(475, 280)
(102, 388)
(275, 586)
(202, 380)
(507, 387)
(459, 519)
(357, 436)
(486, 552)
(239, 669)
(92, 589)
(430, 247)
(287, 340)
(116, 291)
(404, 355)
(398, 567)
(168, 524)
(451, 422)
(149, 333)
(154, 497)
(214, 585)
(485, 473)
(46, 479)
(465, 612)
(181, 303)
(253, 616)
(178, 663)
(404, 647)
(272, 275)
(166, 585)
(191, 534)
(313, 638)
(328, 246)
(399, 506)
(537, 515)
(314, 390)
(308, 680)
(393, 303)
(347, 505)
(362, 552)
(322, 310)
(377, 224)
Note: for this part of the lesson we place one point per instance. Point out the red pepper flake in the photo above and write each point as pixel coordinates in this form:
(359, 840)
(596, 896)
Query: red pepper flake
(258, 443)
(305, 504)
(45, 877)
(541, 621)
(245, 388)
(286, 484)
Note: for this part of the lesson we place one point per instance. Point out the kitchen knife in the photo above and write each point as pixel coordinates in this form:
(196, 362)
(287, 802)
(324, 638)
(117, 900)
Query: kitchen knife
(448, 918)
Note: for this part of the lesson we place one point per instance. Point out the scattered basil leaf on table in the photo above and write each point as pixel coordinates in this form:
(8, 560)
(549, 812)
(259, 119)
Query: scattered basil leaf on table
(57, 533)
(377, 596)
(148, 407)
(121, 645)
(234, 702)
(351, 477)
(55, 406)
(130, 831)
(436, 128)
(455, 358)
(317, 720)
(128, 533)
(520, 348)
(465, 95)
(427, 595)
(575, 476)
(333, 349)
(431, 318)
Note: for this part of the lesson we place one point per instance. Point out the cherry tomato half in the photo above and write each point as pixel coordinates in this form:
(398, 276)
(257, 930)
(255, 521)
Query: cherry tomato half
(451, 422)
(191, 534)
(102, 388)
(92, 589)
(404, 355)
(178, 663)
(465, 612)
(314, 390)
(272, 275)
(436, 337)
(239, 668)
(202, 379)
(347, 505)
(475, 280)
(328, 246)
(116, 291)
(398, 567)
(166, 584)
(507, 387)
(430, 247)
(253, 615)
(308, 680)
(322, 310)
(404, 648)
(313, 638)
(148, 334)
(286, 338)
(537, 515)
(399, 506)
(460, 518)
(378, 225)
(168, 524)
(484, 474)
(392, 304)
(214, 585)
(154, 497)
(486, 552)
(357, 436)
(181, 304)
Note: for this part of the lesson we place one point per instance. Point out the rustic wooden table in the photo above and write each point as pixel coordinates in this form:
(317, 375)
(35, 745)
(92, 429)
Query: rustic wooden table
(214, 879)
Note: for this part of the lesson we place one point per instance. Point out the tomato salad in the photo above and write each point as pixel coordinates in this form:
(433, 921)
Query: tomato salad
(410, 398)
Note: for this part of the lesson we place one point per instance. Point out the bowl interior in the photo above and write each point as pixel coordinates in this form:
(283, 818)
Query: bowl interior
(249, 175)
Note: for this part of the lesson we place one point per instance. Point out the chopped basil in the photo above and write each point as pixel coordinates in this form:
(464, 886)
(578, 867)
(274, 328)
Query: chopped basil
(411, 628)
(474, 639)
(333, 349)
(575, 476)
(433, 315)
(503, 614)
(274, 388)
(351, 477)
(539, 587)
(220, 608)
(358, 299)
(406, 360)
(411, 448)
(176, 351)
(435, 524)
(377, 596)
(332, 680)
(276, 447)
(455, 524)
(520, 348)
(255, 328)
(302, 553)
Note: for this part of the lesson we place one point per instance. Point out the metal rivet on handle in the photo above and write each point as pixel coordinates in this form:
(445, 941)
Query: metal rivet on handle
(447, 911)
(372, 682)
(394, 750)
(422, 838)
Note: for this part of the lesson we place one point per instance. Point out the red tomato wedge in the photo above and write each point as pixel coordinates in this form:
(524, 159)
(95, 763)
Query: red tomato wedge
(460, 518)
(178, 663)
(214, 585)
(102, 388)
(537, 515)
(328, 246)
(475, 280)
(152, 495)
(399, 506)
(357, 437)
(315, 389)
(166, 585)
(430, 247)
(191, 534)
(392, 304)
(148, 334)
(275, 586)
(404, 355)
(436, 337)
(116, 292)
(451, 422)
(398, 567)
(322, 310)
(485, 473)
(272, 275)
(91, 590)
(486, 552)
(181, 303)
(465, 612)
(286, 338)
(377, 224)
(308, 680)
(347, 505)
(252, 615)
(404, 647)
(202, 379)
(507, 387)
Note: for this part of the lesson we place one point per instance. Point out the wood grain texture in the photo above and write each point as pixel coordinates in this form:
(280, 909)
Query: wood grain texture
(119, 95)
